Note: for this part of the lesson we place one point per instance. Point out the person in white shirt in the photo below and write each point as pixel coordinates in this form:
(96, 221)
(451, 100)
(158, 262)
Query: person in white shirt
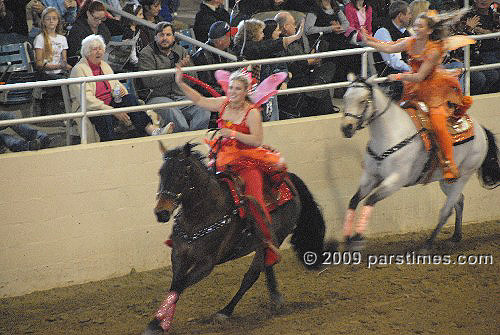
(392, 30)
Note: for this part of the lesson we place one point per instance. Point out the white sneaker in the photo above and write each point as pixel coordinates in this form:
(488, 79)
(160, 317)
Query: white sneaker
(168, 129)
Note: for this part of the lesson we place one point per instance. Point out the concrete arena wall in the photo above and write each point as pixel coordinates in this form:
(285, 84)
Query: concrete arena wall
(83, 213)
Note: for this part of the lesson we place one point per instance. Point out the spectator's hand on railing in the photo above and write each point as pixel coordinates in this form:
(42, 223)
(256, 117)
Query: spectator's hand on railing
(123, 117)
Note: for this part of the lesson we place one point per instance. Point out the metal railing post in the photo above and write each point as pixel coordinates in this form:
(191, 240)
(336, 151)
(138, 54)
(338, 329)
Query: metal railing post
(467, 69)
(83, 109)
(364, 64)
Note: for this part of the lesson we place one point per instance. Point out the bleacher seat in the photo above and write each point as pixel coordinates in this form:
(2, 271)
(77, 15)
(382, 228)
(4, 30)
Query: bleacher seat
(188, 46)
(16, 66)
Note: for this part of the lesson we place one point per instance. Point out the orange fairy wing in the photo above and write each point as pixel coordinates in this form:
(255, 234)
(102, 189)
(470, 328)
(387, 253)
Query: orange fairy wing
(457, 41)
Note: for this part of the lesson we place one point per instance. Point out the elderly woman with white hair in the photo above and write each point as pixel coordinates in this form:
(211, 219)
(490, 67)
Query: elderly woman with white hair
(108, 95)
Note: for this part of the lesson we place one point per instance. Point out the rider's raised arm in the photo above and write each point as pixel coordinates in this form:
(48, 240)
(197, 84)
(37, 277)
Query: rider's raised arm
(387, 47)
(211, 104)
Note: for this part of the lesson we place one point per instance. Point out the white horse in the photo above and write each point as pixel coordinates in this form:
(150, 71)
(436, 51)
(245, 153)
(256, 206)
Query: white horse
(396, 157)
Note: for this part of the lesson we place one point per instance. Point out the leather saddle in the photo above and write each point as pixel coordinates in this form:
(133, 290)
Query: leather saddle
(276, 190)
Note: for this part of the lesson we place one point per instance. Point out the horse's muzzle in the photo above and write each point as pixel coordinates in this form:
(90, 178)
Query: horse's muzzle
(162, 215)
(348, 130)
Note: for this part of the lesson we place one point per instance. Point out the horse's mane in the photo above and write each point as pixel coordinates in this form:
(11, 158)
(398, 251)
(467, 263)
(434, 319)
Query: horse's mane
(187, 151)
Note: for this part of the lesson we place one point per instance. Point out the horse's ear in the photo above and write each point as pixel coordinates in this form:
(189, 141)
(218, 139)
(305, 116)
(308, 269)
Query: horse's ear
(163, 149)
(351, 77)
(187, 149)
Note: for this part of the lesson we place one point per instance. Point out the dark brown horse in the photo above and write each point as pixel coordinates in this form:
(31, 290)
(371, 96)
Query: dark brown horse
(208, 229)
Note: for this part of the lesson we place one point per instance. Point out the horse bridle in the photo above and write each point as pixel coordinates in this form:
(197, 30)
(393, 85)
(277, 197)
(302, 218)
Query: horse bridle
(177, 197)
(362, 122)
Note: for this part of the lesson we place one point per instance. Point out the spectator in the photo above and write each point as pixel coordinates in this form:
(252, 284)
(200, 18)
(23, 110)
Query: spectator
(66, 8)
(131, 29)
(359, 15)
(218, 37)
(103, 95)
(483, 20)
(168, 10)
(210, 12)
(244, 9)
(7, 34)
(303, 73)
(164, 53)
(327, 18)
(89, 21)
(392, 30)
(18, 9)
(31, 139)
(151, 10)
(51, 47)
(51, 55)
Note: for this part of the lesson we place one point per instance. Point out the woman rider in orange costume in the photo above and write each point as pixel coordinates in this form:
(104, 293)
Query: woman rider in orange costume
(428, 81)
(241, 128)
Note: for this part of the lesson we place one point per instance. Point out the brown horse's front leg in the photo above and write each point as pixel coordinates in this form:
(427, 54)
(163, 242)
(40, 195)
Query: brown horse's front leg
(180, 281)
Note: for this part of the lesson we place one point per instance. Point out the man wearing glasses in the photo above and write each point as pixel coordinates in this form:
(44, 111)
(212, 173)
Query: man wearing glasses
(90, 20)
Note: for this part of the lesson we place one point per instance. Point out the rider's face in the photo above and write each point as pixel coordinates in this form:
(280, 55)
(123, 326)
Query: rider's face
(237, 91)
(421, 28)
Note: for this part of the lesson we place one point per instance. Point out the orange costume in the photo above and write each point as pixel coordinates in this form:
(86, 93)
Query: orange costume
(250, 163)
(438, 89)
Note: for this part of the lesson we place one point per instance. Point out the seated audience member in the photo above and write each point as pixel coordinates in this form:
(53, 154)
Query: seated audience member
(218, 37)
(168, 10)
(244, 9)
(151, 11)
(165, 53)
(66, 8)
(7, 34)
(210, 12)
(131, 31)
(359, 15)
(326, 17)
(51, 56)
(31, 139)
(18, 9)
(89, 21)
(302, 104)
(392, 30)
(482, 19)
(108, 95)
(51, 47)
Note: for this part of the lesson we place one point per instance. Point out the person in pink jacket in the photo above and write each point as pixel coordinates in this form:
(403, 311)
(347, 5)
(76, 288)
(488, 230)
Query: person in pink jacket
(359, 15)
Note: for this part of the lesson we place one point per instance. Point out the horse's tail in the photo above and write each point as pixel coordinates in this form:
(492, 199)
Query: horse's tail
(489, 172)
(308, 236)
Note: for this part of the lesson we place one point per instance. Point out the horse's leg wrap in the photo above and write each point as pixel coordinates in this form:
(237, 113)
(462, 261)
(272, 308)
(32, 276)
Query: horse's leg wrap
(349, 222)
(167, 308)
(166, 322)
(366, 212)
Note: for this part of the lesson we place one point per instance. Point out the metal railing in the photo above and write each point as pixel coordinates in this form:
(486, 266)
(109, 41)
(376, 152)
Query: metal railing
(84, 114)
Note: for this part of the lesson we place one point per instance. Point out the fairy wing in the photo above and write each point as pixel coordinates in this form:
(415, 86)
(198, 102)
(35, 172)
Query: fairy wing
(267, 88)
(457, 41)
(222, 78)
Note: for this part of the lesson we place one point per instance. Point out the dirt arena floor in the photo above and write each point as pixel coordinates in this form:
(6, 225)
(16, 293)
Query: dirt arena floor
(343, 299)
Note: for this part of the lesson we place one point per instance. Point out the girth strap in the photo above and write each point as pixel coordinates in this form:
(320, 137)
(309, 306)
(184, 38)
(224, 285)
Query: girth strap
(393, 149)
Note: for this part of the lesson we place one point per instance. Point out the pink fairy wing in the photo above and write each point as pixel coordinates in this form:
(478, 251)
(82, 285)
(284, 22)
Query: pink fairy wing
(457, 41)
(267, 88)
(222, 78)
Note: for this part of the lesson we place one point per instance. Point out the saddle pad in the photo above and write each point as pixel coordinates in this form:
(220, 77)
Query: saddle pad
(461, 129)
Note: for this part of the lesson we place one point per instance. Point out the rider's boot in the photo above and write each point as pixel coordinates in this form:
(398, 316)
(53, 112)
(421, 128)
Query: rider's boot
(438, 120)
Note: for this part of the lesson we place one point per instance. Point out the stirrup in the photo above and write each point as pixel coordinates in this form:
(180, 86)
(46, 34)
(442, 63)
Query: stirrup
(450, 171)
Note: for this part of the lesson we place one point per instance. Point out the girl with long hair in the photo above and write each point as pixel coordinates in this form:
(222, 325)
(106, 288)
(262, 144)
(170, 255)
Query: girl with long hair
(50, 45)
(428, 82)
